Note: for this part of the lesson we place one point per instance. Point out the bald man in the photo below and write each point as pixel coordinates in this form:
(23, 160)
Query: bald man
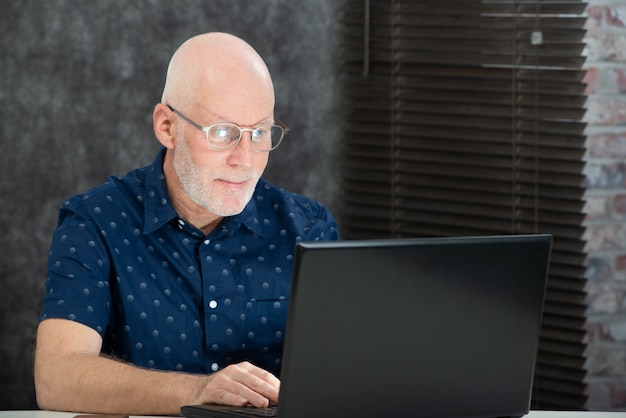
(169, 286)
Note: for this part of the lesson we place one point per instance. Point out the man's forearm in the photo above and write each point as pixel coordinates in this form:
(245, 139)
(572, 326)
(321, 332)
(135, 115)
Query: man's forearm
(96, 384)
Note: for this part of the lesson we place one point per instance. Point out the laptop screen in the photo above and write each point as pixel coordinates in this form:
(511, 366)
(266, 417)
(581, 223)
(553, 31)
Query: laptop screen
(430, 327)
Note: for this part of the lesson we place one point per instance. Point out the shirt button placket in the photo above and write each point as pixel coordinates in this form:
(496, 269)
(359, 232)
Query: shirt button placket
(213, 306)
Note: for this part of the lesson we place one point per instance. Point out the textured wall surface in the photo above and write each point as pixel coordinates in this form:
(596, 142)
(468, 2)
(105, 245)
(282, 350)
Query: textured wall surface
(606, 204)
(79, 80)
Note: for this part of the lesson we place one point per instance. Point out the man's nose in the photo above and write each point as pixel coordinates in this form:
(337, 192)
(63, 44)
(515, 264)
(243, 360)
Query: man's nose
(243, 152)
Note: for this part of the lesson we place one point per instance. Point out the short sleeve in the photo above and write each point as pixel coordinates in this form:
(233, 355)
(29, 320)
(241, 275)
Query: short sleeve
(78, 282)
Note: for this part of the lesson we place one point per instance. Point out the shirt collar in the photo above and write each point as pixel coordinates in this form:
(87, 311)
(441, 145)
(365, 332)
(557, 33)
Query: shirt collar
(251, 214)
(157, 207)
(159, 210)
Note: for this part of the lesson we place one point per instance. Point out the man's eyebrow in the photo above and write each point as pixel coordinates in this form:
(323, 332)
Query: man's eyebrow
(267, 121)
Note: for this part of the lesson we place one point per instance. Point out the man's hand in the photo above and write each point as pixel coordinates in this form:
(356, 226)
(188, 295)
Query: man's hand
(240, 385)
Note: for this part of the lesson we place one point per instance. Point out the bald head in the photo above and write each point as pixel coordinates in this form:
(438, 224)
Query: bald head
(211, 64)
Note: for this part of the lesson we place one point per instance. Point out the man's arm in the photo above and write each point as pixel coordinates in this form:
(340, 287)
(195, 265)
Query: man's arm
(71, 375)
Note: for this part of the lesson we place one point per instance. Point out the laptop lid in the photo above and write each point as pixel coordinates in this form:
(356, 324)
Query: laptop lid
(437, 327)
(444, 327)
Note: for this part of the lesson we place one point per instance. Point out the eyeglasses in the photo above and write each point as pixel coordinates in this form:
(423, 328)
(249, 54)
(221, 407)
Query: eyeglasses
(224, 136)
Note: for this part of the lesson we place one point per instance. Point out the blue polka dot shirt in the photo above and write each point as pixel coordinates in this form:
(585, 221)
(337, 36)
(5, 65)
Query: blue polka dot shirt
(161, 293)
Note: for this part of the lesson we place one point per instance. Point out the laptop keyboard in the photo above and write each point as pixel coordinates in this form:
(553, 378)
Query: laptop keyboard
(253, 412)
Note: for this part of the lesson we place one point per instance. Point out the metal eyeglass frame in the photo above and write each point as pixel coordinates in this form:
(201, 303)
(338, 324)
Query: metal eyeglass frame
(283, 128)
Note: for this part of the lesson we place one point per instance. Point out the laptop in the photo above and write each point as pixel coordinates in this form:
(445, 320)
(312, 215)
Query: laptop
(434, 327)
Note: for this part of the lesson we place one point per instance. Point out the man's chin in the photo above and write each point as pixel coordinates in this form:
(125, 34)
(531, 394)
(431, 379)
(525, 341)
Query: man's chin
(225, 202)
(227, 208)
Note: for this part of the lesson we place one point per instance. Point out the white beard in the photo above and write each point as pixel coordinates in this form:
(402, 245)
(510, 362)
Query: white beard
(200, 186)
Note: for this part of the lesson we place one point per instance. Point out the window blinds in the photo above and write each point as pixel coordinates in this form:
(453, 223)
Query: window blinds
(464, 118)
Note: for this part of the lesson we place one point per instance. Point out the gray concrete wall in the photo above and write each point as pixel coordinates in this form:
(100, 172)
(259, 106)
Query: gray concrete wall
(78, 82)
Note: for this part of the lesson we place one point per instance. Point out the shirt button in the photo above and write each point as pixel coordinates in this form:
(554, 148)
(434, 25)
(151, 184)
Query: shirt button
(215, 367)
(213, 304)
(207, 241)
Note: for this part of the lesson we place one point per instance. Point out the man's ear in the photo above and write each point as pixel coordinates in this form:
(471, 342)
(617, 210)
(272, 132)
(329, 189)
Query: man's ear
(164, 125)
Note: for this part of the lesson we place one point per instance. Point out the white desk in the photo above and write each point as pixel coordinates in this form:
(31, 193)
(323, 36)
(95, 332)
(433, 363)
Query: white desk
(46, 414)
(573, 414)
(532, 414)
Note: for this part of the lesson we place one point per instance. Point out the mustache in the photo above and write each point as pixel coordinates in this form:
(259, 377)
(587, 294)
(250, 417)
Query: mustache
(238, 177)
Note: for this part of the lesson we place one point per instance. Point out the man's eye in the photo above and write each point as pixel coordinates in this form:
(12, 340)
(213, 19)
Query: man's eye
(260, 133)
(224, 133)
